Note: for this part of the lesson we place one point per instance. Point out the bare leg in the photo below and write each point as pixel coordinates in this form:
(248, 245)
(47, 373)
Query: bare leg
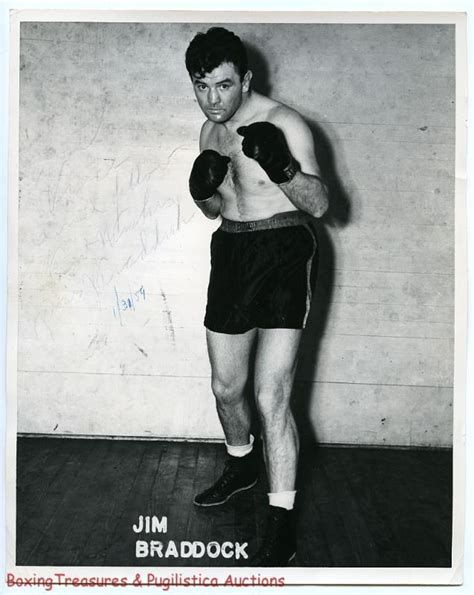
(274, 373)
(229, 357)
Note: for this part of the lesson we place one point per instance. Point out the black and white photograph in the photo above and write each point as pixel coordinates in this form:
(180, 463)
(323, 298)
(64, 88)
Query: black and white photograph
(234, 268)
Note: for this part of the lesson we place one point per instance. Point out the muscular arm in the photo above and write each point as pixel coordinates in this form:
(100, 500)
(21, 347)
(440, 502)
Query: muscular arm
(308, 193)
(306, 190)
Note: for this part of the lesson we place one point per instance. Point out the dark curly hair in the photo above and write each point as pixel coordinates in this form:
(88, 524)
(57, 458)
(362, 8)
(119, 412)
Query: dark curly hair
(209, 50)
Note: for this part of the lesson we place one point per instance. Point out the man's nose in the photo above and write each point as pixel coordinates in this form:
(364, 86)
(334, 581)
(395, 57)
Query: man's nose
(214, 98)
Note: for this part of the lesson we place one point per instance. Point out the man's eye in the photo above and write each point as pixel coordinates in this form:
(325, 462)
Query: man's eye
(225, 86)
(201, 87)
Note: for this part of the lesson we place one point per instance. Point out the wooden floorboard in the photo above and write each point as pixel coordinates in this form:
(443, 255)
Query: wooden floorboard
(360, 472)
(356, 507)
(36, 456)
(45, 474)
(61, 516)
(349, 509)
(312, 542)
(149, 494)
(114, 506)
(36, 532)
(260, 501)
(200, 519)
(332, 523)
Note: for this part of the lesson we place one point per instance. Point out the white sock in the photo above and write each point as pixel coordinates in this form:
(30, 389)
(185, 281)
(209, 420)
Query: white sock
(282, 499)
(240, 451)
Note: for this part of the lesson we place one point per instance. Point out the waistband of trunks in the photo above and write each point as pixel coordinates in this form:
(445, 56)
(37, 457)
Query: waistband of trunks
(286, 219)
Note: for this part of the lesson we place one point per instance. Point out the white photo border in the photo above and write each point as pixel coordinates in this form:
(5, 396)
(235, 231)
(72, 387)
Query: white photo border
(302, 576)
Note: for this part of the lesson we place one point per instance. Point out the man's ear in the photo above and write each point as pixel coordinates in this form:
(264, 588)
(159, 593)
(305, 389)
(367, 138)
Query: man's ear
(246, 81)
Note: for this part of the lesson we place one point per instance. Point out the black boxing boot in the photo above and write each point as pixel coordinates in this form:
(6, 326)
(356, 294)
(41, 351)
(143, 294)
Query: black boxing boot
(207, 174)
(240, 473)
(279, 544)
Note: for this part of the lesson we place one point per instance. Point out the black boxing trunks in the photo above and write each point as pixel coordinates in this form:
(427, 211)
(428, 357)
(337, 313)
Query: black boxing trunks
(262, 273)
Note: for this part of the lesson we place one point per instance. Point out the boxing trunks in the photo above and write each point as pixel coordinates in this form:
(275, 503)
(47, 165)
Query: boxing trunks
(262, 273)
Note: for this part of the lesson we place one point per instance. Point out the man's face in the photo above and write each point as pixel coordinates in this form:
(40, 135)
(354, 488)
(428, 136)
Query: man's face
(220, 92)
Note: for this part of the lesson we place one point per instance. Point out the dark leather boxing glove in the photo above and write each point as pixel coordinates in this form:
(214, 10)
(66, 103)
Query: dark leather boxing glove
(267, 144)
(207, 175)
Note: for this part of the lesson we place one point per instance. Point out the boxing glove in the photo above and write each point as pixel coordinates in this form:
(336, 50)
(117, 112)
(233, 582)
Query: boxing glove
(207, 174)
(267, 144)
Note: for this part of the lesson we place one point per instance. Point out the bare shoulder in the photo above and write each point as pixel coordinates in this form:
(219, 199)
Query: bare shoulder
(206, 135)
(298, 136)
(288, 119)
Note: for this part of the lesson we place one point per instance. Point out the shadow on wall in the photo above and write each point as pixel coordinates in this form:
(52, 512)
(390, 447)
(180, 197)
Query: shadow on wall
(338, 215)
(259, 67)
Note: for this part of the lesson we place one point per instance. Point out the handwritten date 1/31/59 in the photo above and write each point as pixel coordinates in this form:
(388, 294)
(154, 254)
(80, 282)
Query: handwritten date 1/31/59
(128, 301)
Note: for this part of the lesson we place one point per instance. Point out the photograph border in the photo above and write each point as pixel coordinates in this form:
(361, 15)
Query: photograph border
(300, 576)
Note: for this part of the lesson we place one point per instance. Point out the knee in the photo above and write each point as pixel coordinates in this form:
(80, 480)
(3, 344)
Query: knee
(228, 391)
(273, 401)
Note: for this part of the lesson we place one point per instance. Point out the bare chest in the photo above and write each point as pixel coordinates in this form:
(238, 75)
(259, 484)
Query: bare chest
(245, 177)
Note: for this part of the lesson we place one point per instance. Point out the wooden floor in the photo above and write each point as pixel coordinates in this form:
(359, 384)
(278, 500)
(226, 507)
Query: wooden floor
(77, 501)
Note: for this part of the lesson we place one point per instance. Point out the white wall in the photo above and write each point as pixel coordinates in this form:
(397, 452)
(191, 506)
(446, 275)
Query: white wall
(108, 133)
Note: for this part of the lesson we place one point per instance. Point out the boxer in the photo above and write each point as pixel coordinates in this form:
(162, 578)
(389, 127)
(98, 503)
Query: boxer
(257, 170)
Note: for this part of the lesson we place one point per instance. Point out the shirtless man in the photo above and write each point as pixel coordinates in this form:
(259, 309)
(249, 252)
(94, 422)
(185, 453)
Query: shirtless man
(258, 171)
